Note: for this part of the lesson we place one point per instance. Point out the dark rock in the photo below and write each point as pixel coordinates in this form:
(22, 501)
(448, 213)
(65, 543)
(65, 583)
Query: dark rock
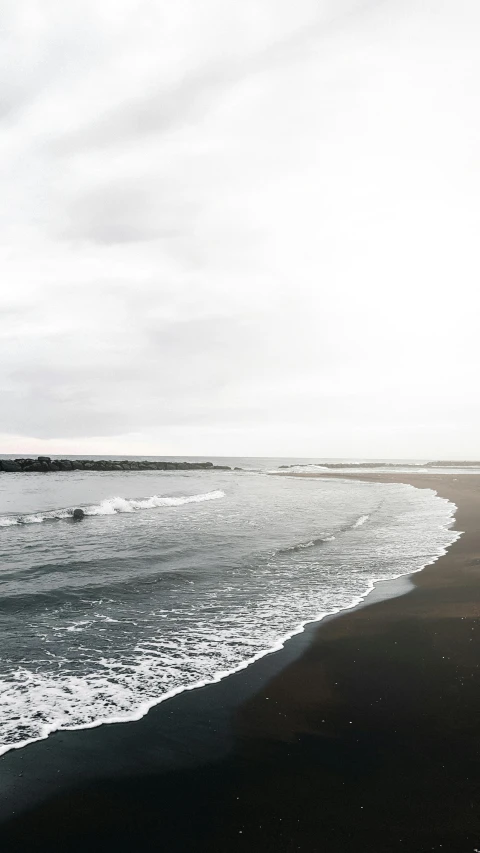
(44, 463)
(78, 514)
(10, 465)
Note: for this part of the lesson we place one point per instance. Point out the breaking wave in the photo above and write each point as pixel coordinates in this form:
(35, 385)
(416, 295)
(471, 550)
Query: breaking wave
(299, 469)
(112, 506)
(104, 629)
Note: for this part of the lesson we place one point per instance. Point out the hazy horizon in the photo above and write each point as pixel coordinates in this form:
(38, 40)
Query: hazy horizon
(240, 230)
(232, 456)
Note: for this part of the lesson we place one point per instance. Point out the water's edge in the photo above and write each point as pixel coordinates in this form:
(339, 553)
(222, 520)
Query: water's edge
(378, 590)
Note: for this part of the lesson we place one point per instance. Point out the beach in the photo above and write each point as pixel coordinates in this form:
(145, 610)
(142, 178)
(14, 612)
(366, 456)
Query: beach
(361, 734)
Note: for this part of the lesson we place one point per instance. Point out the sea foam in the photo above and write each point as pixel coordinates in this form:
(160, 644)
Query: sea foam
(112, 506)
(109, 654)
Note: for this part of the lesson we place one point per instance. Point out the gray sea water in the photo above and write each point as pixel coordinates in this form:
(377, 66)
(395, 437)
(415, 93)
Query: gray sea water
(173, 580)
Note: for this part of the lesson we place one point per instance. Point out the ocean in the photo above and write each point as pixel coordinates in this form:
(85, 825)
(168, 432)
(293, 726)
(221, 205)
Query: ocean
(175, 579)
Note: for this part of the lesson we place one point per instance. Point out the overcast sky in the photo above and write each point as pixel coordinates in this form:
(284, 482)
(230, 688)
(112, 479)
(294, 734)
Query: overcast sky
(243, 228)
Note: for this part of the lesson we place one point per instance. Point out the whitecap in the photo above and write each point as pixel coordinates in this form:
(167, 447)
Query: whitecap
(112, 506)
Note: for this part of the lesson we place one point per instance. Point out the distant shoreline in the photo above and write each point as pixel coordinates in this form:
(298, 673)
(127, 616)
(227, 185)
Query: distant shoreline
(53, 464)
(387, 466)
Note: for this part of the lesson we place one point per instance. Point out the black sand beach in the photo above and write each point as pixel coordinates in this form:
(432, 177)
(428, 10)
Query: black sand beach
(361, 735)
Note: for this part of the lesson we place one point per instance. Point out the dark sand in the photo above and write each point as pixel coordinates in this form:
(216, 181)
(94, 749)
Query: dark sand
(363, 734)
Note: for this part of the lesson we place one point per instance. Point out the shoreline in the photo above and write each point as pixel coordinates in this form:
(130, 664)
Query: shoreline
(246, 736)
(378, 590)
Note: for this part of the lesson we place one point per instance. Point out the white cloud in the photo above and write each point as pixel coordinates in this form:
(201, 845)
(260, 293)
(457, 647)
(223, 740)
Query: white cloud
(244, 228)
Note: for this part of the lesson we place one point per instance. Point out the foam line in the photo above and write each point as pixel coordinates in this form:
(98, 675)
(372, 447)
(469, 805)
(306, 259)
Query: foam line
(112, 506)
(143, 707)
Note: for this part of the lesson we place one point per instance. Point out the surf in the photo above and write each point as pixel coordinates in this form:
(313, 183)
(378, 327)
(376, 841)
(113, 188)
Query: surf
(112, 506)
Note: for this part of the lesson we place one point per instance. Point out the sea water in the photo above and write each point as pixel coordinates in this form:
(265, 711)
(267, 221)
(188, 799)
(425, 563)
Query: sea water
(175, 579)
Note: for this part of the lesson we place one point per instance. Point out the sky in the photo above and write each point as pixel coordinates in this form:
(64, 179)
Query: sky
(240, 228)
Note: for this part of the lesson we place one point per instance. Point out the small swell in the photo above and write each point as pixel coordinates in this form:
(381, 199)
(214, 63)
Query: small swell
(299, 469)
(300, 546)
(312, 543)
(112, 506)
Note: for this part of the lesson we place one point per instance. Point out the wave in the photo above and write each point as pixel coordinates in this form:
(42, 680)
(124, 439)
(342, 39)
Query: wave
(309, 467)
(321, 540)
(299, 469)
(76, 704)
(112, 506)
(301, 546)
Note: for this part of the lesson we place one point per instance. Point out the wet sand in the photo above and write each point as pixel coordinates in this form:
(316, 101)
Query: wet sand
(363, 734)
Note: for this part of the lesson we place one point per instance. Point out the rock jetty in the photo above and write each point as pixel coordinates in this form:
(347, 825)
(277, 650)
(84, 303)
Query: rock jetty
(44, 464)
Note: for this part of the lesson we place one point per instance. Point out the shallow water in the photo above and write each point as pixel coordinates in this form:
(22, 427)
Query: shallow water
(175, 579)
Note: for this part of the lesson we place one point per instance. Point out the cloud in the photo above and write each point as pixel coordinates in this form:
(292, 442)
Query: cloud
(240, 229)
(199, 87)
(113, 214)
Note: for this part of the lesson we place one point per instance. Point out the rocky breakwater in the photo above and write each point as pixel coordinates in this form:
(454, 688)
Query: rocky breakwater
(44, 464)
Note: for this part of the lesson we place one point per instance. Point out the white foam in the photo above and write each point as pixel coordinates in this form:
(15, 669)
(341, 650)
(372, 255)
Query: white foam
(300, 469)
(124, 688)
(112, 506)
(360, 521)
(79, 626)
